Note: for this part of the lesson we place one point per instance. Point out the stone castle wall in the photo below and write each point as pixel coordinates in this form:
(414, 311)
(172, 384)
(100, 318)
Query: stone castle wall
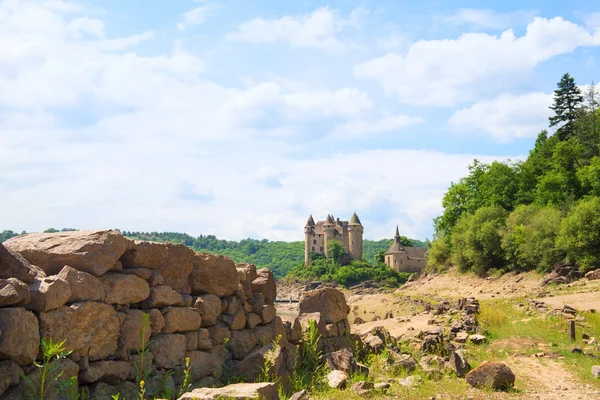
(93, 288)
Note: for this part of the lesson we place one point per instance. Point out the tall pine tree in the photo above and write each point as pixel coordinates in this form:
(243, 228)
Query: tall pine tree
(567, 105)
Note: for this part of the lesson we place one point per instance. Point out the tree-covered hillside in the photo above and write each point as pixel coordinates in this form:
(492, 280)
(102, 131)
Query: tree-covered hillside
(534, 213)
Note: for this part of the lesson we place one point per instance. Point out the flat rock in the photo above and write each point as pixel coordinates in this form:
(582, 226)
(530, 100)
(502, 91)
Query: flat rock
(477, 339)
(181, 319)
(19, 335)
(83, 286)
(145, 255)
(337, 379)
(14, 265)
(124, 288)
(162, 296)
(213, 274)
(105, 371)
(238, 391)
(94, 252)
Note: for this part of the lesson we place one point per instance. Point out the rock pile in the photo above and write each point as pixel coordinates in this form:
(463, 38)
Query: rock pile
(92, 289)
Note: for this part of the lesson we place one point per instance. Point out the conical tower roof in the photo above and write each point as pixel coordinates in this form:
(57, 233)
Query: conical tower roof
(397, 232)
(396, 247)
(354, 220)
(311, 221)
(329, 220)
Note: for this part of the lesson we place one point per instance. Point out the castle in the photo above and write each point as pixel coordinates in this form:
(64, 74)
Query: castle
(405, 259)
(318, 236)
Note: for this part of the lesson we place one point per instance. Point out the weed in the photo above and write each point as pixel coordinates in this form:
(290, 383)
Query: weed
(50, 369)
(265, 373)
(142, 370)
(309, 370)
(187, 378)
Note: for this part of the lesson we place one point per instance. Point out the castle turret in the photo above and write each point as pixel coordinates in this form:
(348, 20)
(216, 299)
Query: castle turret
(355, 238)
(328, 232)
(309, 232)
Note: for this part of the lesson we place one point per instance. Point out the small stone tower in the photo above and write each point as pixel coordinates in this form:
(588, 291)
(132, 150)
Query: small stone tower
(328, 231)
(355, 238)
(308, 230)
(405, 259)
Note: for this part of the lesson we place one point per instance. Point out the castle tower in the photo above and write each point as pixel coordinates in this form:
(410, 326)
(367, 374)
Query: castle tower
(355, 238)
(309, 232)
(328, 231)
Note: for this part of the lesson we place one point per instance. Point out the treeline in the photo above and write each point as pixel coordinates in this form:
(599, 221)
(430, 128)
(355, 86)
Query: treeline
(280, 257)
(531, 214)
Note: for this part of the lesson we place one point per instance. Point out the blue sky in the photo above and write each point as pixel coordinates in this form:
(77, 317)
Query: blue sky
(241, 118)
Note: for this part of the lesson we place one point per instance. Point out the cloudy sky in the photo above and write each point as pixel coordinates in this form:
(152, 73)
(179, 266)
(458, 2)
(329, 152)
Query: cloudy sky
(240, 118)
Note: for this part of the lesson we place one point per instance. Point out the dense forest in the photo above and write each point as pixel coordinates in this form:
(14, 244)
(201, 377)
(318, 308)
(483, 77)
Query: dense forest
(280, 257)
(531, 214)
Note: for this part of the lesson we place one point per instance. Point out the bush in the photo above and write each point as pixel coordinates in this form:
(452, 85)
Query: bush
(579, 235)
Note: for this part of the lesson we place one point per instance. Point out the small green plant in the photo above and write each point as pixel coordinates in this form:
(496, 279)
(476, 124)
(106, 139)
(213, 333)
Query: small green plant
(309, 370)
(187, 378)
(143, 370)
(50, 371)
(164, 390)
(265, 372)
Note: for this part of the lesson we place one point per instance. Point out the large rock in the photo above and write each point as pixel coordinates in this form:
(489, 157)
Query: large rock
(343, 360)
(238, 391)
(162, 296)
(10, 374)
(209, 308)
(251, 367)
(241, 343)
(124, 288)
(131, 330)
(168, 350)
(13, 265)
(94, 252)
(337, 379)
(214, 274)
(496, 375)
(219, 333)
(90, 329)
(48, 293)
(206, 363)
(330, 302)
(459, 363)
(105, 371)
(293, 328)
(267, 314)
(235, 322)
(265, 284)
(246, 274)
(13, 292)
(145, 254)
(19, 335)
(84, 286)
(181, 319)
(177, 266)
(593, 275)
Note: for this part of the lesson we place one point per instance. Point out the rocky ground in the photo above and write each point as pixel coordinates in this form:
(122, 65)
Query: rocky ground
(524, 325)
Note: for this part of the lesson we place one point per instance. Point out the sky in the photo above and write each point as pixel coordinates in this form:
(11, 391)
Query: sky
(240, 118)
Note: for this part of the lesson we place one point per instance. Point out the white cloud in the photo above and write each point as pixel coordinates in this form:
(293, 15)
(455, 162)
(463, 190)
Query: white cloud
(364, 128)
(444, 72)
(197, 15)
(506, 117)
(319, 29)
(489, 19)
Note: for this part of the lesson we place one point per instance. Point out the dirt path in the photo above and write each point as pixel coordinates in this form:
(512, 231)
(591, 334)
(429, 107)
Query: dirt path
(579, 301)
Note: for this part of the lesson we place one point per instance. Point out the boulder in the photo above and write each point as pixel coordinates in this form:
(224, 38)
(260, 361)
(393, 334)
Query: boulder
(206, 363)
(83, 286)
(209, 308)
(496, 375)
(181, 319)
(10, 374)
(48, 293)
(105, 371)
(293, 328)
(305, 319)
(168, 350)
(330, 302)
(131, 330)
(344, 360)
(337, 379)
(124, 288)
(89, 329)
(593, 275)
(157, 321)
(213, 274)
(94, 252)
(13, 292)
(267, 314)
(237, 391)
(177, 266)
(265, 284)
(13, 265)
(241, 343)
(459, 363)
(145, 254)
(252, 320)
(218, 333)
(246, 274)
(19, 335)
(404, 362)
(235, 322)
(204, 341)
(162, 296)
(251, 367)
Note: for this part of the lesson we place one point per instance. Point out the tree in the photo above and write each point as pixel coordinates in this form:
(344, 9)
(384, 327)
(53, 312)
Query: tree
(335, 251)
(566, 107)
(380, 256)
(579, 234)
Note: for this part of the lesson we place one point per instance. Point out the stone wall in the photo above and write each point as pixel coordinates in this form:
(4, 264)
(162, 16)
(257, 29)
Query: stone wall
(92, 290)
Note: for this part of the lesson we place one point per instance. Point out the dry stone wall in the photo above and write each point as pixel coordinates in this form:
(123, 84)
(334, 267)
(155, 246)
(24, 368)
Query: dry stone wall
(92, 290)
